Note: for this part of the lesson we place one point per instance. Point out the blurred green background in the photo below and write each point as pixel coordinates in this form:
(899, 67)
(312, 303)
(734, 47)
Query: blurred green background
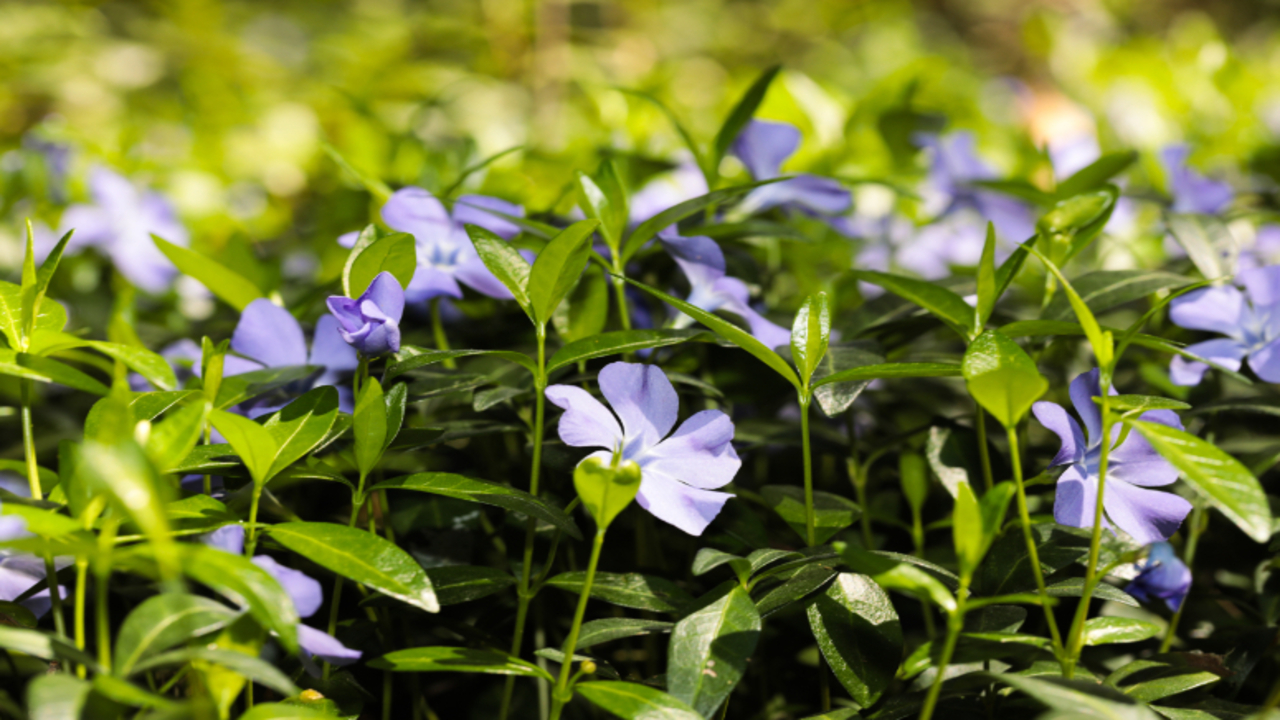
(226, 106)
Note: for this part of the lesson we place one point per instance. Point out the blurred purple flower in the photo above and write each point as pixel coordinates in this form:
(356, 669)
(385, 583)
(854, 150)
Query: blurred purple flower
(1133, 466)
(57, 163)
(1265, 249)
(763, 147)
(1250, 320)
(1191, 191)
(183, 356)
(702, 262)
(20, 571)
(678, 473)
(371, 323)
(667, 190)
(121, 221)
(1162, 577)
(303, 590)
(949, 189)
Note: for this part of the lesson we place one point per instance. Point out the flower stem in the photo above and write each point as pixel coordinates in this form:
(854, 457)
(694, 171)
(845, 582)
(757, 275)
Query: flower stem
(82, 582)
(1076, 643)
(29, 442)
(1199, 521)
(984, 452)
(101, 574)
(620, 292)
(955, 623)
(437, 331)
(523, 594)
(563, 693)
(55, 596)
(251, 542)
(1015, 458)
(810, 536)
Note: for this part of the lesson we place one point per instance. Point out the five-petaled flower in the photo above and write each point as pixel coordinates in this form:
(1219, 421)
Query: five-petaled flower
(1133, 467)
(1250, 320)
(679, 473)
(763, 146)
(371, 322)
(1162, 577)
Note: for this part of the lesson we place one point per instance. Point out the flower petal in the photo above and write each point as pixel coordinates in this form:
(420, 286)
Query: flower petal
(386, 293)
(1056, 418)
(474, 274)
(1266, 361)
(429, 283)
(1262, 285)
(1076, 499)
(700, 453)
(810, 193)
(331, 351)
(1147, 515)
(417, 212)
(1136, 462)
(302, 588)
(269, 334)
(671, 501)
(228, 538)
(1224, 351)
(667, 190)
(1193, 192)
(1216, 309)
(763, 146)
(700, 258)
(324, 646)
(643, 398)
(585, 422)
(471, 210)
(1083, 390)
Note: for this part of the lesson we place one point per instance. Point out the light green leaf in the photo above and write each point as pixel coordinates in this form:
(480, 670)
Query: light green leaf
(505, 264)
(859, 634)
(890, 370)
(1002, 377)
(988, 287)
(256, 669)
(441, 658)
(302, 425)
(163, 621)
(967, 531)
(36, 284)
(633, 701)
(149, 365)
(370, 426)
(944, 304)
(1097, 173)
(606, 490)
(254, 444)
(603, 199)
(1102, 342)
(710, 650)
(810, 335)
(558, 267)
(892, 574)
(41, 369)
(56, 697)
(1208, 242)
(233, 288)
(1108, 630)
(394, 253)
(172, 439)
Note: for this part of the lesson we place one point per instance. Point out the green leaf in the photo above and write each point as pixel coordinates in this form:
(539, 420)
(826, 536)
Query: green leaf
(1162, 676)
(149, 365)
(967, 530)
(505, 264)
(586, 310)
(1103, 344)
(617, 343)
(1208, 242)
(890, 370)
(1071, 224)
(832, 513)
(915, 479)
(36, 284)
(988, 287)
(741, 116)
(362, 556)
(285, 711)
(172, 439)
(710, 650)
(604, 630)
(122, 473)
(630, 590)
(1105, 289)
(810, 335)
(1142, 403)
(228, 285)
(606, 490)
(397, 400)
(236, 389)
(455, 584)
(461, 487)
(412, 358)
(1215, 475)
(1108, 630)
(394, 253)
(730, 332)
(477, 167)
(1002, 377)
(42, 645)
(1097, 173)
(56, 696)
(603, 199)
(709, 559)
(163, 621)
(11, 314)
(800, 580)
(249, 666)
(859, 634)
(301, 426)
(892, 574)
(674, 214)
(944, 304)
(370, 426)
(633, 701)
(836, 398)
(441, 658)
(255, 445)
(34, 367)
(558, 267)
(1082, 698)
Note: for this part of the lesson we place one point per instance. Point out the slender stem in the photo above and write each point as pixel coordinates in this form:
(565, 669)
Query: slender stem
(386, 695)
(1199, 521)
(620, 292)
(55, 596)
(29, 442)
(208, 479)
(1033, 555)
(984, 452)
(1091, 578)
(810, 536)
(858, 473)
(523, 594)
(82, 582)
(101, 574)
(437, 331)
(357, 502)
(251, 542)
(955, 623)
(562, 693)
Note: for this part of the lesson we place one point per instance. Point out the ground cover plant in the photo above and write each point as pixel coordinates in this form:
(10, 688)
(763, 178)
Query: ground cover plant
(717, 434)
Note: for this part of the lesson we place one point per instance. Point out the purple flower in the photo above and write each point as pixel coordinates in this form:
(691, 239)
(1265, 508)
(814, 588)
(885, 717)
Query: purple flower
(20, 571)
(1191, 191)
(702, 262)
(120, 221)
(1250, 320)
(763, 147)
(667, 190)
(680, 472)
(303, 590)
(949, 189)
(445, 253)
(371, 323)
(1134, 466)
(1162, 577)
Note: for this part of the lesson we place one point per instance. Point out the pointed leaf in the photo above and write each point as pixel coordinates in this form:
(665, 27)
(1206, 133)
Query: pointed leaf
(633, 701)
(172, 439)
(810, 335)
(710, 650)
(505, 264)
(370, 426)
(944, 304)
(1108, 630)
(222, 281)
(1002, 377)
(832, 513)
(890, 370)
(460, 487)
(394, 253)
(254, 444)
(674, 214)
(558, 267)
(301, 425)
(441, 658)
(741, 116)
(618, 342)
(163, 621)
(859, 634)
(606, 490)
(987, 284)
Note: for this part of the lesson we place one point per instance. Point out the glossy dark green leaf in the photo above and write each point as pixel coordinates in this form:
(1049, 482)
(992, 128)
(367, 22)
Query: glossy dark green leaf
(633, 701)
(1161, 676)
(798, 583)
(370, 426)
(835, 398)
(411, 358)
(461, 487)
(944, 304)
(859, 634)
(1142, 403)
(361, 556)
(630, 590)
(674, 214)
(162, 621)
(397, 399)
(710, 650)
(1105, 289)
(1002, 377)
(604, 630)
(810, 334)
(896, 574)
(832, 513)
(301, 426)
(606, 490)
(1216, 476)
(255, 445)
(1108, 630)
(585, 311)
(1083, 698)
(1074, 587)
(1097, 173)
(617, 343)
(764, 557)
(506, 264)
(394, 253)
(558, 267)
(441, 658)
(222, 281)
(236, 389)
(741, 115)
(709, 559)
(455, 584)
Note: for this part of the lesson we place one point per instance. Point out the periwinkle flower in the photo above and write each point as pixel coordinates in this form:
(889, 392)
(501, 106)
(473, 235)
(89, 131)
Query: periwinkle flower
(121, 221)
(446, 255)
(303, 590)
(702, 262)
(763, 146)
(1133, 468)
(1193, 192)
(1162, 577)
(20, 571)
(1249, 319)
(667, 190)
(950, 190)
(371, 322)
(679, 473)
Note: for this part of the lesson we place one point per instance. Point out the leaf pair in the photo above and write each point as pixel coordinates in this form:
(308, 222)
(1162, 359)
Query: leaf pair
(976, 524)
(539, 288)
(289, 435)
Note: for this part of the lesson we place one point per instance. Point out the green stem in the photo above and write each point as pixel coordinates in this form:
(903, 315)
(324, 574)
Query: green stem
(955, 623)
(82, 582)
(563, 693)
(984, 452)
(1091, 578)
(55, 596)
(437, 331)
(620, 292)
(1033, 554)
(1199, 521)
(101, 574)
(810, 536)
(251, 542)
(858, 473)
(356, 504)
(29, 442)
(523, 594)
